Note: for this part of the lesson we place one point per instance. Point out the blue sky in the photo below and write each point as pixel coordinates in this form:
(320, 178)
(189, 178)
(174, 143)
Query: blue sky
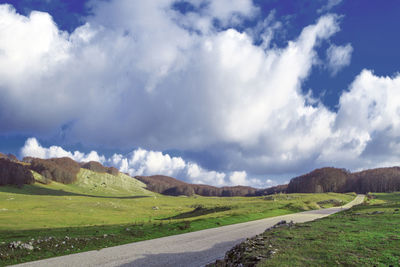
(219, 92)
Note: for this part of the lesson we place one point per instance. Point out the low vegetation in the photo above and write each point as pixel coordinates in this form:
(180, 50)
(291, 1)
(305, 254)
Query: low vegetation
(366, 235)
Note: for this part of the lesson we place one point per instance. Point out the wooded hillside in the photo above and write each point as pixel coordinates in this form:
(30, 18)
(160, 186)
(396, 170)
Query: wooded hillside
(341, 180)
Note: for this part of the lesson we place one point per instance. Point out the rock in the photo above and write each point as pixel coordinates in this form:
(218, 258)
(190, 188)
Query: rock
(14, 244)
(26, 246)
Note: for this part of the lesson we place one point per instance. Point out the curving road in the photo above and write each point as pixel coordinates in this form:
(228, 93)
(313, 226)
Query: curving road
(191, 249)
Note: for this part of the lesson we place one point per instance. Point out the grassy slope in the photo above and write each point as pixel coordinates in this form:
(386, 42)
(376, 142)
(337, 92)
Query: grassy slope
(100, 184)
(86, 213)
(357, 237)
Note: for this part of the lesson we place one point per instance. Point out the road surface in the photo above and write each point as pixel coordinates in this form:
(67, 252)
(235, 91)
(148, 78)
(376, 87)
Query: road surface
(190, 249)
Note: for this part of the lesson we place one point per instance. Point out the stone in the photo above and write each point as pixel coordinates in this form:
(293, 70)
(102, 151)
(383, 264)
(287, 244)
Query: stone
(26, 246)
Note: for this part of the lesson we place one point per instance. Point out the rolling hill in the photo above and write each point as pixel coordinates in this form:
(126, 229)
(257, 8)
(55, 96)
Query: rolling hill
(99, 184)
(93, 177)
(340, 181)
(170, 186)
(66, 175)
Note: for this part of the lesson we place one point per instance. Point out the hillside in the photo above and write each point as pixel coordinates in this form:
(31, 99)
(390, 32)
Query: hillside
(99, 184)
(94, 177)
(66, 175)
(340, 180)
(170, 186)
(62, 170)
(12, 173)
(97, 167)
(375, 180)
(319, 181)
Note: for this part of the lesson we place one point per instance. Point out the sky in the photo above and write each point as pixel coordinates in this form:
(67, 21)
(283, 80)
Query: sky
(236, 92)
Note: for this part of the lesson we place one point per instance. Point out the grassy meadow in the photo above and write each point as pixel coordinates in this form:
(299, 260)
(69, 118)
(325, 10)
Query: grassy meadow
(100, 211)
(365, 235)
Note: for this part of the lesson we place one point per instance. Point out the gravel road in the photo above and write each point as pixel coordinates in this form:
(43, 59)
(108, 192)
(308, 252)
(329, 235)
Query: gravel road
(191, 249)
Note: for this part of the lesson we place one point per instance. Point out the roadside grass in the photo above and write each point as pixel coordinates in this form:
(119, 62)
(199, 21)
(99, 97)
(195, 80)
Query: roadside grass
(59, 219)
(365, 235)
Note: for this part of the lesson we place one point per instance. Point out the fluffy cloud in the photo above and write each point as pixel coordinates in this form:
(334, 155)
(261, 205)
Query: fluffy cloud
(32, 148)
(143, 74)
(143, 162)
(338, 57)
(367, 126)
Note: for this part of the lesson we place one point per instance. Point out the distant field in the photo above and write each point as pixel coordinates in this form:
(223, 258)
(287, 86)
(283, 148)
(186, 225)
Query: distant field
(101, 210)
(366, 235)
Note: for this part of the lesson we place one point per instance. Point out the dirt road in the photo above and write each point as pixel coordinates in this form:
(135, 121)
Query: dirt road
(191, 249)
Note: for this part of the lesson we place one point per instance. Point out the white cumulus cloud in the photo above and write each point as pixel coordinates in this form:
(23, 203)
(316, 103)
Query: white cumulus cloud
(338, 57)
(367, 126)
(144, 162)
(32, 148)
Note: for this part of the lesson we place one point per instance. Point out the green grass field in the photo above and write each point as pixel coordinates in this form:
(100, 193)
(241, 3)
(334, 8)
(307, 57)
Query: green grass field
(366, 235)
(102, 210)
